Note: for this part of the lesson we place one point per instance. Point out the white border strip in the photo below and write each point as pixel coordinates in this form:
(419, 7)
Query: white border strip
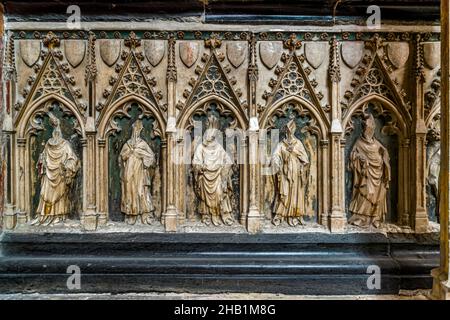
(162, 25)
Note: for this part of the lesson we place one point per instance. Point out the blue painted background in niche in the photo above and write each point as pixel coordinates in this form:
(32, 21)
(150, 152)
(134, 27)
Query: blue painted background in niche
(191, 199)
(391, 143)
(116, 142)
(68, 123)
(311, 146)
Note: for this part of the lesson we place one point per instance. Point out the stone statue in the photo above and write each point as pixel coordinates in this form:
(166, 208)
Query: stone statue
(212, 169)
(289, 163)
(369, 161)
(434, 168)
(136, 160)
(57, 166)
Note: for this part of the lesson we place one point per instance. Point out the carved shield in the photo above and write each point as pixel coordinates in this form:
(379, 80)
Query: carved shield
(189, 53)
(315, 53)
(398, 53)
(74, 51)
(352, 53)
(270, 53)
(432, 54)
(154, 51)
(236, 53)
(30, 51)
(110, 50)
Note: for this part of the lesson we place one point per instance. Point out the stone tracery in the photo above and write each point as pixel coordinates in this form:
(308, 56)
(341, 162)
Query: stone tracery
(234, 93)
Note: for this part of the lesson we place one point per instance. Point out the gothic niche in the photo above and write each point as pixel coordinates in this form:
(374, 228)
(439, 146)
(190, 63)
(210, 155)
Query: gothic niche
(433, 167)
(290, 170)
(56, 173)
(135, 169)
(371, 155)
(213, 174)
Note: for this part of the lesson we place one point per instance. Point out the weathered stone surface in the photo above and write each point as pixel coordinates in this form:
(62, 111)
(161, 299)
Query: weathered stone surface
(154, 51)
(75, 51)
(270, 53)
(352, 53)
(315, 53)
(110, 50)
(237, 53)
(189, 52)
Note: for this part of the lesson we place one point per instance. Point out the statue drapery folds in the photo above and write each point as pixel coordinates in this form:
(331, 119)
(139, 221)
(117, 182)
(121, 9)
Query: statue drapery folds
(289, 163)
(57, 166)
(370, 164)
(136, 159)
(212, 169)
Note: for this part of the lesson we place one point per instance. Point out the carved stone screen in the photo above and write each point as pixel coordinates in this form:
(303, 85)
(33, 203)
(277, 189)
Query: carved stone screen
(168, 127)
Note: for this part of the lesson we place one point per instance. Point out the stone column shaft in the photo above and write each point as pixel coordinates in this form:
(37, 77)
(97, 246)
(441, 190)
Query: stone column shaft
(441, 283)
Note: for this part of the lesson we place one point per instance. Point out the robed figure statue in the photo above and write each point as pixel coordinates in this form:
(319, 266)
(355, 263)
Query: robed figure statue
(369, 161)
(136, 160)
(289, 162)
(212, 169)
(57, 166)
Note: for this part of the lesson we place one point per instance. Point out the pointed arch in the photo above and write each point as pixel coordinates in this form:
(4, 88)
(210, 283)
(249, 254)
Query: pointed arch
(318, 114)
(23, 118)
(376, 83)
(110, 111)
(399, 116)
(240, 115)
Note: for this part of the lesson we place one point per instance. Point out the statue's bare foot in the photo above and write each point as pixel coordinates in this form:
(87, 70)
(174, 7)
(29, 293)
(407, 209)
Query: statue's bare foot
(131, 220)
(276, 221)
(206, 220)
(146, 219)
(216, 221)
(228, 221)
(376, 224)
(293, 222)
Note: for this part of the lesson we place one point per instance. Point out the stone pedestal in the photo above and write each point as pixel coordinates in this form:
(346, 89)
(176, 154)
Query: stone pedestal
(90, 219)
(9, 217)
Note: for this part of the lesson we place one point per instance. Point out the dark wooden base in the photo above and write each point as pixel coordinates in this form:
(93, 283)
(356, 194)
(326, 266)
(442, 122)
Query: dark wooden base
(307, 263)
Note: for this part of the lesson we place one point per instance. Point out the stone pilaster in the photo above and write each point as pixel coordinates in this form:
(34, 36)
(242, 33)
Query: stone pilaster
(441, 283)
(254, 215)
(419, 214)
(337, 220)
(90, 215)
(170, 216)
